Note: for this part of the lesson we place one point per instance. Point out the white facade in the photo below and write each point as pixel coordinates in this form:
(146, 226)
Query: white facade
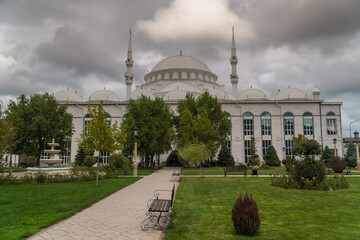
(269, 120)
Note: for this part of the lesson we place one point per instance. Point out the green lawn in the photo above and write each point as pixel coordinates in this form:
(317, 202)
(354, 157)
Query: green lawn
(203, 207)
(220, 171)
(26, 208)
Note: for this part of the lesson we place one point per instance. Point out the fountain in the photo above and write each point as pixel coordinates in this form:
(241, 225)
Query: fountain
(52, 160)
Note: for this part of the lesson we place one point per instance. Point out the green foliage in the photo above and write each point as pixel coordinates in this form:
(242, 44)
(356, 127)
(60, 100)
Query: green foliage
(288, 164)
(308, 170)
(306, 148)
(271, 158)
(154, 120)
(225, 158)
(254, 158)
(36, 120)
(245, 216)
(31, 161)
(326, 155)
(40, 176)
(7, 179)
(119, 163)
(174, 160)
(195, 154)
(80, 156)
(337, 182)
(201, 121)
(89, 161)
(350, 155)
(337, 164)
(7, 136)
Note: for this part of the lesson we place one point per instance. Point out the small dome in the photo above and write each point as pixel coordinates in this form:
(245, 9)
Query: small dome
(290, 93)
(175, 95)
(141, 92)
(180, 86)
(316, 90)
(181, 62)
(252, 93)
(220, 94)
(68, 96)
(104, 95)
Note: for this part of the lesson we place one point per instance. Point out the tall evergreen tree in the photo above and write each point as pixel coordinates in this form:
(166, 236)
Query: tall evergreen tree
(350, 156)
(271, 158)
(326, 155)
(254, 158)
(224, 157)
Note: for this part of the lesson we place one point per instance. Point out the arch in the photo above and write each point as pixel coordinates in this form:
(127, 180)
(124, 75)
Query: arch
(307, 114)
(330, 113)
(288, 114)
(265, 114)
(248, 114)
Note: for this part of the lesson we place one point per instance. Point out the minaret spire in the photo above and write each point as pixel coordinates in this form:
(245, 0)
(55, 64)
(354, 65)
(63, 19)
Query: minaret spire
(129, 64)
(233, 61)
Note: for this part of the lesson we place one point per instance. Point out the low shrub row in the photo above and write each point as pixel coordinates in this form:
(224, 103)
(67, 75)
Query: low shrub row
(288, 182)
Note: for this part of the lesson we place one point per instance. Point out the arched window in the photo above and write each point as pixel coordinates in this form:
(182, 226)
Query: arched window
(265, 123)
(87, 119)
(308, 123)
(331, 127)
(330, 114)
(288, 123)
(229, 137)
(248, 124)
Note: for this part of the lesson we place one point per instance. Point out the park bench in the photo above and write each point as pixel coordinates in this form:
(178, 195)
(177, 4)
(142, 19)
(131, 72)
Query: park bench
(158, 210)
(175, 177)
(240, 168)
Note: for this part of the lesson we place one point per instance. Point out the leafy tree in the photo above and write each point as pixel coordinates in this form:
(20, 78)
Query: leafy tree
(306, 148)
(195, 154)
(7, 137)
(225, 158)
(100, 136)
(350, 155)
(36, 120)
(201, 121)
(326, 155)
(271, 158)
(153, 118)
(254, 158)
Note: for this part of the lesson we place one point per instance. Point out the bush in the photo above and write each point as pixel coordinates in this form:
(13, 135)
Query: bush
(40, 176)
(80, 156)
(308, 169)
(265, 166)
(245, 216)
(89, 161)
(119, 163)
(31, 161)
(337, 164)
(8, 178)
(27, 178)
(271, 158)
(225, 158)
(288, 164)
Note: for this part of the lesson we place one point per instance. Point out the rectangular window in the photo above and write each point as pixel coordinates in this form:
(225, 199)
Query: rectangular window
(289, 126)
(331, 126)
(265, 146)
(265, 126)
(103, 157)
(248, 127)
(66, 156)
(86, 130)
(288, 148)
(247, 145)
(308, 127)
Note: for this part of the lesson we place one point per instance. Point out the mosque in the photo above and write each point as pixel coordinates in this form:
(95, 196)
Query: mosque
(270, 120)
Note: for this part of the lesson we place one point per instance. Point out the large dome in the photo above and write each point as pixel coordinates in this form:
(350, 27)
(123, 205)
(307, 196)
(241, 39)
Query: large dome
(290, 93)
(104, 95)
(68, 96)
(181, 62)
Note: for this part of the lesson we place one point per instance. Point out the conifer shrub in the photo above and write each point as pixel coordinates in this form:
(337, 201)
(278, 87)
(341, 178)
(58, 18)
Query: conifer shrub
(337, 164)
(271, 158)
(119, 163)
(288, 164)
(225, 158)
(245, 216)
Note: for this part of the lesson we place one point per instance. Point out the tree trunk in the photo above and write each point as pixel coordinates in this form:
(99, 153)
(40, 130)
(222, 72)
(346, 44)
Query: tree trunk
(97, 169)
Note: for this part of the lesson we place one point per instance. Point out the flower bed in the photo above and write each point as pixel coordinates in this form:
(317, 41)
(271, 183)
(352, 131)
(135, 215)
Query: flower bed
(336, 182)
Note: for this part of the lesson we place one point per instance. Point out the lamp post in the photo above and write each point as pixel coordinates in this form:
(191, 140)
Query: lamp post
(335, 151)
(136, 132)
(356, 135)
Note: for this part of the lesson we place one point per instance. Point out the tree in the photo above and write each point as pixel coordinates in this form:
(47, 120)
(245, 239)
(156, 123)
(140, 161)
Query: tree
(195, 154)
(202, 121)
(271, 158)
(36, 120)
(153, 118)
(224, 157)
(7, 137)
(306, 148)
(80, 156)
(101, 136)
(326, 155)
(254, 158)
(350, 156)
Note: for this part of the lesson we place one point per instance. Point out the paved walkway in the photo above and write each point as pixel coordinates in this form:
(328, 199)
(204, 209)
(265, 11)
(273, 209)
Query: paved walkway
(116, 217)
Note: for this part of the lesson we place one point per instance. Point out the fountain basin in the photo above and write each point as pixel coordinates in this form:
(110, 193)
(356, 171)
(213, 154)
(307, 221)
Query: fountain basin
(57, 169)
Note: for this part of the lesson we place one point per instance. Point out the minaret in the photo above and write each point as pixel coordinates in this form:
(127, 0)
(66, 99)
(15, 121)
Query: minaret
(129, 64)
(233, 61)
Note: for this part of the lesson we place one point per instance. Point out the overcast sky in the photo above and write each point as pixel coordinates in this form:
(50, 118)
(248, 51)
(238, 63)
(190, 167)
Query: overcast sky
(81, 45)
